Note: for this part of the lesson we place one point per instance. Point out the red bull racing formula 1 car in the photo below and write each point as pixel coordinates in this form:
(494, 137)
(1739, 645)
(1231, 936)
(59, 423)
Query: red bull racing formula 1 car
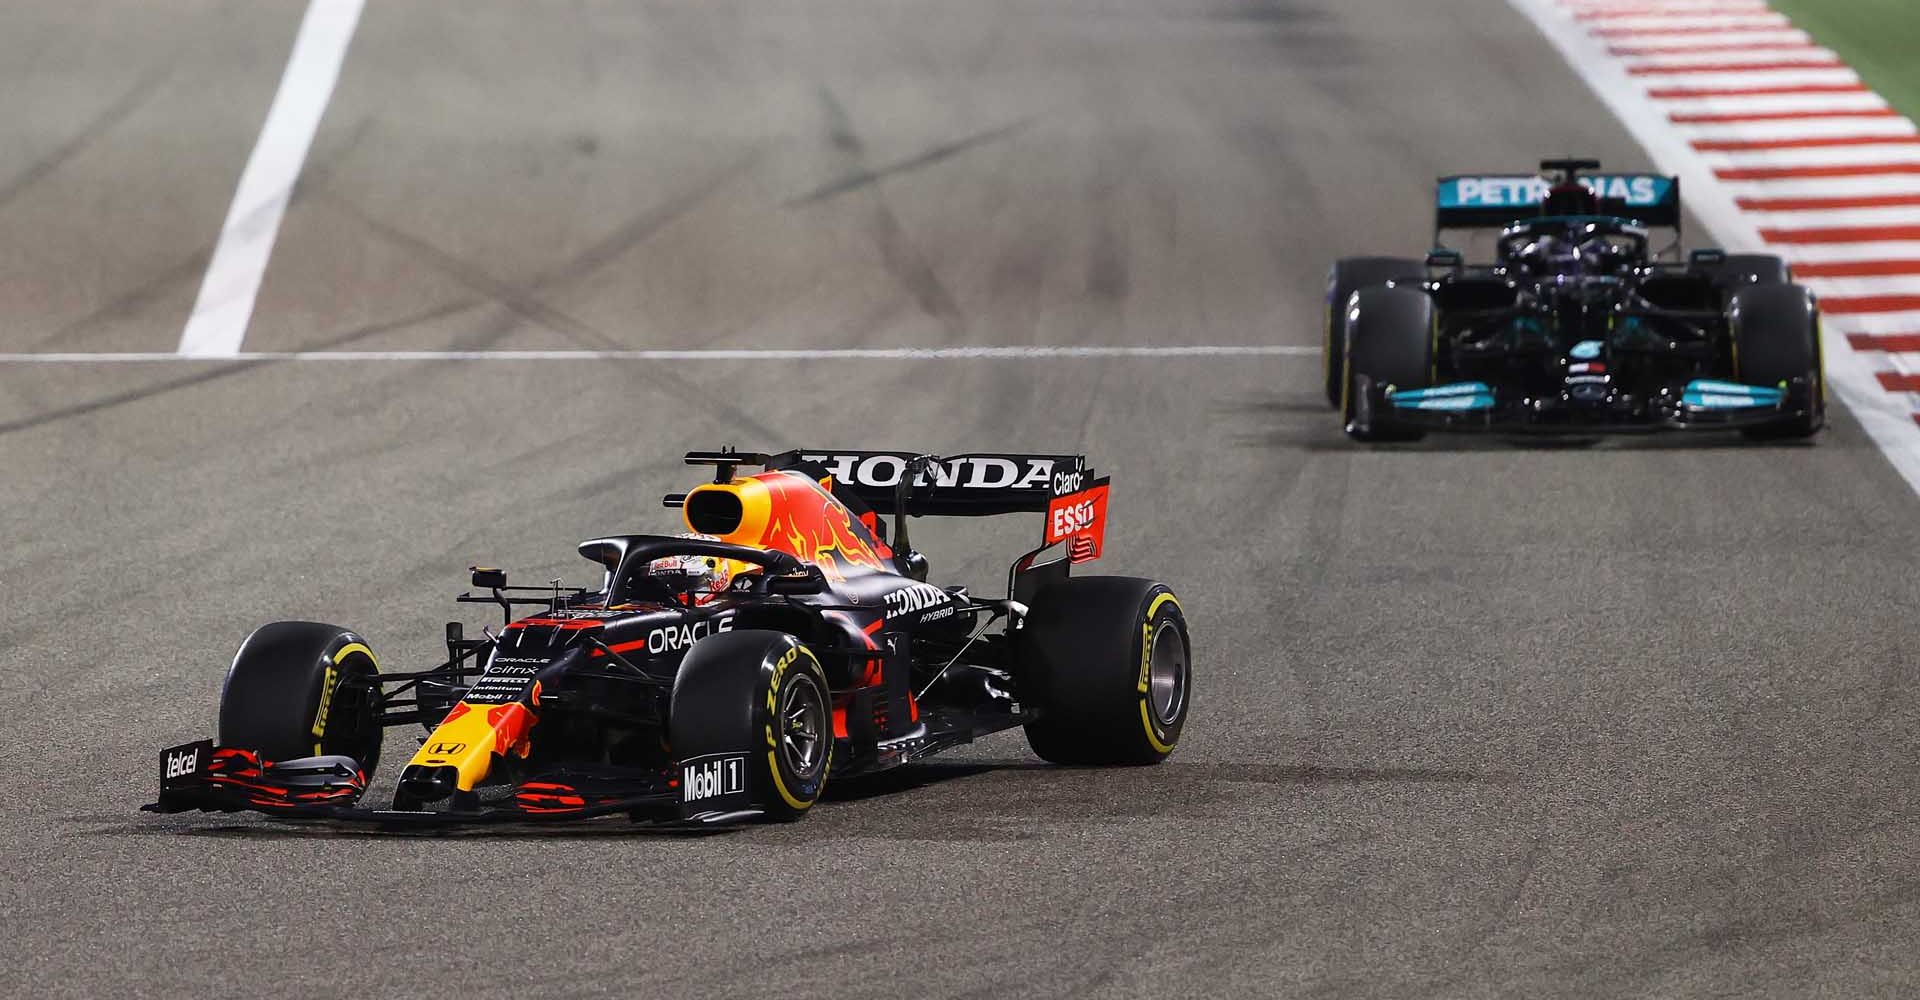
(724, 674)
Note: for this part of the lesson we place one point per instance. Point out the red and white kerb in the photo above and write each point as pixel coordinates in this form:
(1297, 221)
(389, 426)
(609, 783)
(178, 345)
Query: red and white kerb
(1827, 172)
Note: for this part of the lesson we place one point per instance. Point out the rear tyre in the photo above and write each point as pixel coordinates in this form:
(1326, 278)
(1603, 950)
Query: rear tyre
(303, 689)
(1347, 276)
(1106, 663)
(764, 694)
(1776, 342)
(1390, 342)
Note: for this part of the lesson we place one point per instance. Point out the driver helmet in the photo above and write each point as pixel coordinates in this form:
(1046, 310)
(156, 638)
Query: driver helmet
(702, 577)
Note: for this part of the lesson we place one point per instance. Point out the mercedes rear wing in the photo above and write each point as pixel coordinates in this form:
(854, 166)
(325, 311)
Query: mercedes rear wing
(1491, 201)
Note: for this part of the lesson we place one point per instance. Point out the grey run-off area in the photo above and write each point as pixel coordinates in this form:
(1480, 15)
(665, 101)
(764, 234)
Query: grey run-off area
(1472, 720)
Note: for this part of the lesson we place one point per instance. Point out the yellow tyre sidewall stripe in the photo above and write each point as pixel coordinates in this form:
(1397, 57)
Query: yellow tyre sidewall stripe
(773, 759)
(319, 730)
(1146, 667)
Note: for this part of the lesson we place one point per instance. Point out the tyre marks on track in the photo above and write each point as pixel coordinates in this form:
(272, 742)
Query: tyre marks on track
(119, 111)
(898, 253)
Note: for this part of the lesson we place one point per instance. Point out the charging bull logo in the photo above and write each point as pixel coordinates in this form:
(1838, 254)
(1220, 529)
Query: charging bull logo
(471, 734)
(814, 526)
(791, 513)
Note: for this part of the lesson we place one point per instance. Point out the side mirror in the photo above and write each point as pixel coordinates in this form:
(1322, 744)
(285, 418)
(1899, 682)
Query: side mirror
(1442, 257)
(488, 578)
(813, 582)
(456, 637)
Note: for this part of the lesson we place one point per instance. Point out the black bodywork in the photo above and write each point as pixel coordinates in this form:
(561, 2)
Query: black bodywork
(1579, 326)
(913, 668)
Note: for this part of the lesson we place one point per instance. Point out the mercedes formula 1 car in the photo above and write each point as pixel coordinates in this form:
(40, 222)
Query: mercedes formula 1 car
(723, 674)
(1576, 326)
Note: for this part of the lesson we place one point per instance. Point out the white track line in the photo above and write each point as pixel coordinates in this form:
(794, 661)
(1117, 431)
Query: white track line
(1753, 41)
(1826, 187)
(1742, 79)
(225, 304)
(1615, 8)
(1832, 253)
(1887, 418)
(1891, 152)
(1838, 218)
(769, 354)
(1800, 128)
(1907, 321)
(1882, 324)
(1797, 54)
(1841, 288)
(1733, 104)
(1607, 8)
(1638, 24)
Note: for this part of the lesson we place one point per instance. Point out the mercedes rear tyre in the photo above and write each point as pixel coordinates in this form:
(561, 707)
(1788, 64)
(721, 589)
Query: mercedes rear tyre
(1106, 664)
(1391, 333)
(1776, 343)
(303, 689)
(1347, 276)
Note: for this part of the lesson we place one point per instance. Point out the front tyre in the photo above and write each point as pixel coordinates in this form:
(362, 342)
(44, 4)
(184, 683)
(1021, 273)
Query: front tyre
(1347, 276)
(764, 695)
(1391, 334)
(1107, 664)
(1776, 342)
(303, 689)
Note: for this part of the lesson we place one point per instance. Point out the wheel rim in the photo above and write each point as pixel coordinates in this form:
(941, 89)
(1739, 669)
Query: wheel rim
(1167, 672)
(357, 705)
(803, 714)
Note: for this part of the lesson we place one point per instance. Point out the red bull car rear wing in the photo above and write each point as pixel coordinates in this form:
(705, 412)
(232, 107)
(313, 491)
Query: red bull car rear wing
(902, 483)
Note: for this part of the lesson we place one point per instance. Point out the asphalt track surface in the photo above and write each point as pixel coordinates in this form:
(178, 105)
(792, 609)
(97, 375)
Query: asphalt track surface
(1473, 720)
